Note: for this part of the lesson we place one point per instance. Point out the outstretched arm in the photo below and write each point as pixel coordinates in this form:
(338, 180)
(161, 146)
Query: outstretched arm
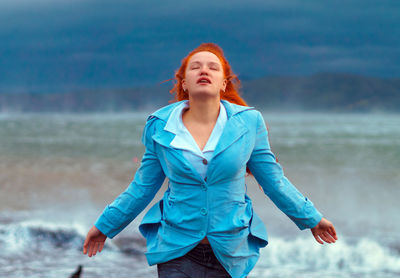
(146, 183)
(269, 174)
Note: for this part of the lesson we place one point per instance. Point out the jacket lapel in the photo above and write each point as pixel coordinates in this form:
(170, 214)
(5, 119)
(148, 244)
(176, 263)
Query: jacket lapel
(162, 136)
(233, 130)
(234, 127)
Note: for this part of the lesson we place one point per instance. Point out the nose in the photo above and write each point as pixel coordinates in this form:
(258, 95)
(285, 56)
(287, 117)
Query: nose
(203, 70)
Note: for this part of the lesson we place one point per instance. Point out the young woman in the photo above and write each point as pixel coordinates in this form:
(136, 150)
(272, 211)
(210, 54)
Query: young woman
(204, 143)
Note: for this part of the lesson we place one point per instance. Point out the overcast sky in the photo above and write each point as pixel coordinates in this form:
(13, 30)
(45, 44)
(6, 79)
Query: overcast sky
(69, 44)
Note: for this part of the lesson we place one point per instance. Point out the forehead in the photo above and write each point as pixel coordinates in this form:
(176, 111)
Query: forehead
(205, 57)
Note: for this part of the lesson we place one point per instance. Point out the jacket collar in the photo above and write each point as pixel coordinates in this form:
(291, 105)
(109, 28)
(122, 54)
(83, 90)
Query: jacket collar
(234, 128)
(231, 109)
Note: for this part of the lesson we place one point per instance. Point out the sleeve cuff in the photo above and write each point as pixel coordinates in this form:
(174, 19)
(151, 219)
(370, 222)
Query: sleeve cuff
(105, 226)
(310, 222)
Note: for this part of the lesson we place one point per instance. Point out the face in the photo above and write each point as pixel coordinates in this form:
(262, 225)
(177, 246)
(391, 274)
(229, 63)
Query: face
(204, 65)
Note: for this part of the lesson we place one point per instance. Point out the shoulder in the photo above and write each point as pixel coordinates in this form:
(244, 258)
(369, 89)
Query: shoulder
(164, 112)
(158, 119)
(161, 115)
(241, 111)
(252, 113)
(253, 120)
(250, 116)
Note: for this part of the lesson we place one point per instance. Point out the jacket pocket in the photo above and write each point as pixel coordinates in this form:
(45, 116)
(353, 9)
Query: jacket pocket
(152, 220)
(257, 230)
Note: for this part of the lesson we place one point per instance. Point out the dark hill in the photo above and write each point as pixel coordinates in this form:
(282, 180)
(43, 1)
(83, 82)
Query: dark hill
(339, 92)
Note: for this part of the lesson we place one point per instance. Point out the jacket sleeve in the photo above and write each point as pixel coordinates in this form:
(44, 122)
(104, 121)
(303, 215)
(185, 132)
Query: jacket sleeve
(147, 181)
(269, 174)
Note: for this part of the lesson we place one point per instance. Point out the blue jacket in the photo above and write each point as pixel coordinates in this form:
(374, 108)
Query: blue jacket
(216, 206)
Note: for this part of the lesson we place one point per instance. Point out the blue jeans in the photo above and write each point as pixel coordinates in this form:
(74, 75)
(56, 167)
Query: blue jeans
(200, 262)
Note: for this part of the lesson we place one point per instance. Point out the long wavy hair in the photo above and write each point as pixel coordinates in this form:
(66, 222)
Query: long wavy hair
(231, 93)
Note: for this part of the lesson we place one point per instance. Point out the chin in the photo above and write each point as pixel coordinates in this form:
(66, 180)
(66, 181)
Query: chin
(203, 93)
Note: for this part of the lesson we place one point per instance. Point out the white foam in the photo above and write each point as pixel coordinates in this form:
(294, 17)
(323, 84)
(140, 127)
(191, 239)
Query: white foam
(281, 258)
(362, 255)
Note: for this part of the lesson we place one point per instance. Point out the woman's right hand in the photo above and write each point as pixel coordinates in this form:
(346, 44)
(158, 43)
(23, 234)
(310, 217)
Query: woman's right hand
(94, 241)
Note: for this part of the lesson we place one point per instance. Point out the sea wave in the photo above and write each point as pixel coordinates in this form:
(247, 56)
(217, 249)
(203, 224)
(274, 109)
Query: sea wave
(42, 235)
(351, 256)
(298, 257)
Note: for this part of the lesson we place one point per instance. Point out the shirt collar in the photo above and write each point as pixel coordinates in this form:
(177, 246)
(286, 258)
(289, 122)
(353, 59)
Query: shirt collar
(231, 109)
(175, 123)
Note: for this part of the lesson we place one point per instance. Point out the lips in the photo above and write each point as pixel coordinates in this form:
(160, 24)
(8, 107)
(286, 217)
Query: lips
(203, 78)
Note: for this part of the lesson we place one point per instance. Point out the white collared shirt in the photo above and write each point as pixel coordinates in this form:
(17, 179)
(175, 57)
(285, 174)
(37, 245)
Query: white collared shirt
(185, 141)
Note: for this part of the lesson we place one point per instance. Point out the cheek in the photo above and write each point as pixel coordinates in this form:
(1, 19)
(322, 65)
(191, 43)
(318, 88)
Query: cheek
(190, 79)
(220, 83)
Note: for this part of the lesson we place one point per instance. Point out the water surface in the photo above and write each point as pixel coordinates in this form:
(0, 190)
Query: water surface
(58, 171)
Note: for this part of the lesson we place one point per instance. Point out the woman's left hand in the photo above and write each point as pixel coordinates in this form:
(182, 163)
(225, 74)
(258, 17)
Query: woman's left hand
(325, 231)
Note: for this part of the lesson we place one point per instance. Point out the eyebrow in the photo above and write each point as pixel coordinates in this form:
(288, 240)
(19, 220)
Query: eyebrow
(213, 63)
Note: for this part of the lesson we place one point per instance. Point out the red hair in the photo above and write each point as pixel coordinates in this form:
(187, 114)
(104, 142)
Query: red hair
(231, 93)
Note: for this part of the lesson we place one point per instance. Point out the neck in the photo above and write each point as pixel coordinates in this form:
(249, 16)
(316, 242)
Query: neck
(204, 110)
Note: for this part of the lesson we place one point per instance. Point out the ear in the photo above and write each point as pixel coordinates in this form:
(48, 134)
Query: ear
(183, 84)
(224, 83)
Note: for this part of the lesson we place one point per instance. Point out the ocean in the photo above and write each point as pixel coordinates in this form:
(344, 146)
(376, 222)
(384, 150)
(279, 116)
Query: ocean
(59, 171)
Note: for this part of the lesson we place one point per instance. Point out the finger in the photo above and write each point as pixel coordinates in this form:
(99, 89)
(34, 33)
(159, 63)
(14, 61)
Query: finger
(91, 248)
(317, 239)
(95, 247)
(325, 238)
(328, 235)
(101, 246)
(333, 232)
(85, 245)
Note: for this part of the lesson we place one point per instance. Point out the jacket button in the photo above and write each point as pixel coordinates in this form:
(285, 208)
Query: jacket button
(205, 161)
(203, 211)
(202, 233)
(204, 187)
